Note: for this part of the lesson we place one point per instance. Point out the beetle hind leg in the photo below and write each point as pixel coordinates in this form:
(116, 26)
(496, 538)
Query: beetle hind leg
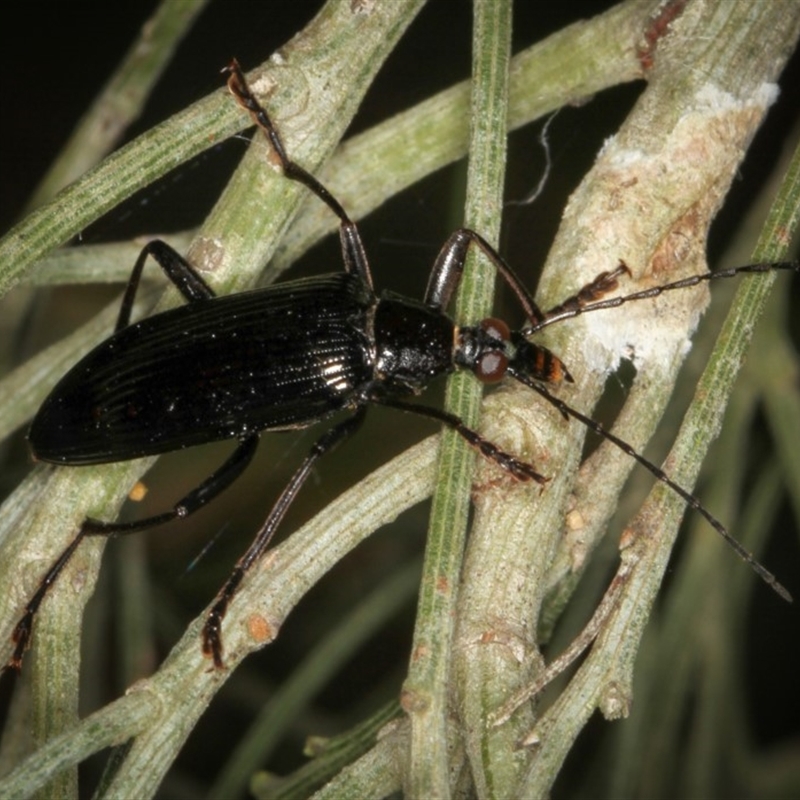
(218, 481)
(353, 253)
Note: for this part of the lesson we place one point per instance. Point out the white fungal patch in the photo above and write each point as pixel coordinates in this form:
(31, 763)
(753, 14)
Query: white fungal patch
(648, 202)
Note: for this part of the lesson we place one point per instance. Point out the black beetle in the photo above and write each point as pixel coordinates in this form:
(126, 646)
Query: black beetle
(286, 357)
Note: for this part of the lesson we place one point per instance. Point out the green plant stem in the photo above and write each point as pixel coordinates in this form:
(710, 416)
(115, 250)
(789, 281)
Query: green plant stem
(576, 63)
(167, 704)
(337, 753)
(699, 629)
(428, 685)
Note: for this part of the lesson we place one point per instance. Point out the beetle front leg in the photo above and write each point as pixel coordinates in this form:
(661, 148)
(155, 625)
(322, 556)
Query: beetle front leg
(584, 299)
(449, 267)
(520, 470)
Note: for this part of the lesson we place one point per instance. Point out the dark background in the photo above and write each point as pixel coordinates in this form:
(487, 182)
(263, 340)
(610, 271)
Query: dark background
(52, 71)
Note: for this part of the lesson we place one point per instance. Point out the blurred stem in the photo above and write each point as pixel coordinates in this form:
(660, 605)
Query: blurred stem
(337, 753)
(122, 98)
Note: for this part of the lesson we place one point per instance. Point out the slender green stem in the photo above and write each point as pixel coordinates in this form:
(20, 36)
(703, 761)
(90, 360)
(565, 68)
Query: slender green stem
(604, 678)
(427, 689)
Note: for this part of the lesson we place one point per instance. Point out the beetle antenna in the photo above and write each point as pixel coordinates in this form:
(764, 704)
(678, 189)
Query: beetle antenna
(567, 311)
(662, 476)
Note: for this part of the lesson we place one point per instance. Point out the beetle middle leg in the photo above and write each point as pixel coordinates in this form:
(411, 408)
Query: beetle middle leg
(180, 272)
(212, 636)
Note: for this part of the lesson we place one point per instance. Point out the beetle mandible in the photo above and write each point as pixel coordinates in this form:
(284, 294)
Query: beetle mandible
(289, 356)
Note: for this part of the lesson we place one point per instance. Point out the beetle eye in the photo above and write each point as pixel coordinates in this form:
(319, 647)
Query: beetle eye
(496, 328)
(491, 366)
